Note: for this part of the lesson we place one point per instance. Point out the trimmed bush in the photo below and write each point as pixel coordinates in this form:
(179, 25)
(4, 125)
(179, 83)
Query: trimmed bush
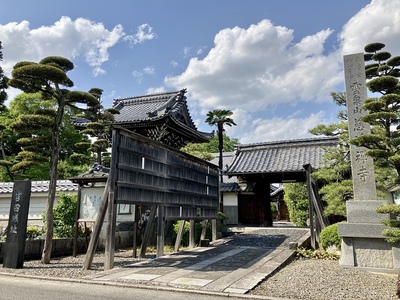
(329, 237)
(32, 232)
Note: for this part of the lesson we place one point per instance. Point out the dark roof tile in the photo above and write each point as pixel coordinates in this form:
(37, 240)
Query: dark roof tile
(41, 186)
(281, 156)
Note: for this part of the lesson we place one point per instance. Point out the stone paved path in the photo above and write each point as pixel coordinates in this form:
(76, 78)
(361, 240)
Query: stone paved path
(235, 264)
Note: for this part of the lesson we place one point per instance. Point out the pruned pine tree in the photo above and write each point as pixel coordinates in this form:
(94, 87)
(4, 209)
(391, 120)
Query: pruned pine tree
(99, 128)
(3, 83)
(383, 143)
(335, 174)
(49, 77)
(3, 97)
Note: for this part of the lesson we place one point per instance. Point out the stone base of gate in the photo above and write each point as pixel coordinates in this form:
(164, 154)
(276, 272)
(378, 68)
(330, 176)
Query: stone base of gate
(363, 245)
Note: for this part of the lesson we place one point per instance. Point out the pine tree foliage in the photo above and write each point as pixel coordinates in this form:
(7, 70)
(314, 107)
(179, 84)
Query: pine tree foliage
(99, 128)
(205, 150)
(383, 143)
(334, 175)
(49, 78)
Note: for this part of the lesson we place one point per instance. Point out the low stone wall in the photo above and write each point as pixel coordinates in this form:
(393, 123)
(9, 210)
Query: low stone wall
(64, 246)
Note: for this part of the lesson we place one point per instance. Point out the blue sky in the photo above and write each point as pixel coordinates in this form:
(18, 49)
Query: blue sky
(272, 62)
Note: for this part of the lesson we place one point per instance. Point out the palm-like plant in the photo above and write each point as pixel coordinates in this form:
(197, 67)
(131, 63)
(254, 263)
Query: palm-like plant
(220, 117)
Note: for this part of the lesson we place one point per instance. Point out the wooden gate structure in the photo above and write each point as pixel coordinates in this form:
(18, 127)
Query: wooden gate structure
(315, 208)
(145, 172)
(287, 161)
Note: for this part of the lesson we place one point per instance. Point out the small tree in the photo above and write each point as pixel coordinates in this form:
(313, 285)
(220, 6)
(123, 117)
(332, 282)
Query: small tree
(64, 216)
(49, 77)
(205, 150)
(335, 172)
(220, 118)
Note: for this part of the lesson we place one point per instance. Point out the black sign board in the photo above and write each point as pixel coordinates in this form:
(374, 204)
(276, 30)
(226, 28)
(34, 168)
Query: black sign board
(17, 223)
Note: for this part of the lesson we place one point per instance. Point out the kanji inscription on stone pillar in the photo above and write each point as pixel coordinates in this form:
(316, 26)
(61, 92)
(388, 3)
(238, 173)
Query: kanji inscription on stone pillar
(362, 166)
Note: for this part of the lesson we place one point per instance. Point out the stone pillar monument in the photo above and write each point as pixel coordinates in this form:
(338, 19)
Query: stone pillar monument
(363, 244)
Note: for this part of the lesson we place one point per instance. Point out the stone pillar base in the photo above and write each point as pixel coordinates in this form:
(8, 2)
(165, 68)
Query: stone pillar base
(363, 245)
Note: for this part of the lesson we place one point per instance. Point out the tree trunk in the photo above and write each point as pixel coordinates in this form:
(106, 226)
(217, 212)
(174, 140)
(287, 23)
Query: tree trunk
(55, 151)
(220, 147)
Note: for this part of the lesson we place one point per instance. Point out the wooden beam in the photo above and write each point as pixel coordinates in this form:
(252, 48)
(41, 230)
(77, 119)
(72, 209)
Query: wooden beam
(94, 239)
(204, 230)
(76, 229)
(192, 233)
(179, 236)
(160, 231)
(135, 229)
(111, 226)
(148, 231)
(214, 229)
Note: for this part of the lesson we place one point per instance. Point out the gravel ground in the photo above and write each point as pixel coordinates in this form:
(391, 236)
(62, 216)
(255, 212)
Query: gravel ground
(302, 279)
(324, 279)
(72, 267)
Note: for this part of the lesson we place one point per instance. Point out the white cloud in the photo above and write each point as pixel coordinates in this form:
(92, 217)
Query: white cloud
(144, 33)
(145, 71)
(377, 22)
(260, 66)
(174, 64)
(186, 51)
(276, 129)
(156, 90)
(260, 70)
(149, 70)
(65, 37)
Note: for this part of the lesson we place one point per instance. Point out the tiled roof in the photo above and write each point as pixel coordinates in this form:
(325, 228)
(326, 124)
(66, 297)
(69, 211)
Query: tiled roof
(147, 107)
(41, 186)
(226, 159)
(97, 173)
(155, 109)
(280, 156)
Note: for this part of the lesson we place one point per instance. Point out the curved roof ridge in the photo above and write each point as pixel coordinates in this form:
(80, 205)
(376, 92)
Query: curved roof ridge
(154, 95)
(289, 142)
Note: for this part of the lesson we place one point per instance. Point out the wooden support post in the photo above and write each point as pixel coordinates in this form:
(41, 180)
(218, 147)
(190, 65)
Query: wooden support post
(214, 229)
(311, 215)
(160, 231)
(148, 231)
(111, 225)
(192, 233)
(267, 205)
(78, 208)
(179, 236)
(204, 230)
(97, 228)
(135, 229)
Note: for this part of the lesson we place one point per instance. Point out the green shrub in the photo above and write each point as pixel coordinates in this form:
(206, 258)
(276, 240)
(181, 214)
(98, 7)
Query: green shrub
(32, 232)
(317, 254)
(296, 199)
(64, 216)
(329, 237)
(274, 210)
(392, 232)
